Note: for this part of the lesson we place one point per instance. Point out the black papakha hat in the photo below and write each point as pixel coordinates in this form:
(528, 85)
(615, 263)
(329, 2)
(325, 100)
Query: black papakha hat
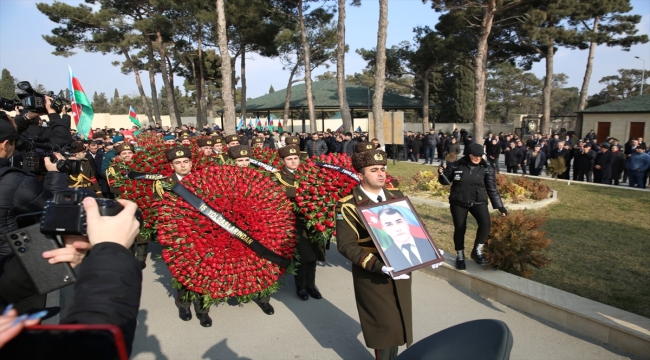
(204, 142)
(288, 151)
(369, 158)
(178, 153)
(239, 151)
(363, 146)
(292, 140)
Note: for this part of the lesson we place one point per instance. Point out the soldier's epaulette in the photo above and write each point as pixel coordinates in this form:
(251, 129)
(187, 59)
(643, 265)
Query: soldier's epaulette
(345, 199)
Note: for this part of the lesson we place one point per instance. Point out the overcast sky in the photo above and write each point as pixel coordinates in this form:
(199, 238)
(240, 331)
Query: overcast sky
(28, 57)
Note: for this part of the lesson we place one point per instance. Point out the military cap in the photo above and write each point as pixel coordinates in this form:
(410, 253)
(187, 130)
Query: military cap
(292, 140)
(289, 150)
(178, 152)
(76, 147)
(239, 151)
(217, 139)
(184, 136)
(369, 158)
(204, 142)
(169, 137)
(122, 147)
(257, 140)
(231, 138)
(363, 146)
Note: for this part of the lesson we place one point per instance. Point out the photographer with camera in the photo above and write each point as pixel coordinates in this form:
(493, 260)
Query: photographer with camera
(58, 129)
(21, 193)
(107, 290)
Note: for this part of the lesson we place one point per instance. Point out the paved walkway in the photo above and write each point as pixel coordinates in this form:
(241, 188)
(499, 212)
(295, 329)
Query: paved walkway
(329, 328)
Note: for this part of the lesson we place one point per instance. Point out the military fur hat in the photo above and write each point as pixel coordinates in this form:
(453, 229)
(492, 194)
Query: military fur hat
(124, 146)
(257, 140)
(231, 138)
(217, 139)
(183, 136)
(363, 146)
(369, 158)
(204, 142)
(178, 153)
(292, 140)
(289, 150)
(76, 147)
(239, 151)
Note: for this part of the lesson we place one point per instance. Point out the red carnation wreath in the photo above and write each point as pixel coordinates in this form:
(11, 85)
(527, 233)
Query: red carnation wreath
(267, 156)
(209, 261)
(319, 190)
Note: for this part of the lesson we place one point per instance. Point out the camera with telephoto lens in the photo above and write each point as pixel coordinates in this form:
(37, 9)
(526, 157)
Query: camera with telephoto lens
(31, 100)
(65, 214)
(34, 151)
(9, 104)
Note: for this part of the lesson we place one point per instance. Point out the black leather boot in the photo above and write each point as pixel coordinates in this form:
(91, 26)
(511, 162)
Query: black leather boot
(460, 260)
(477, 255)
(185, 314)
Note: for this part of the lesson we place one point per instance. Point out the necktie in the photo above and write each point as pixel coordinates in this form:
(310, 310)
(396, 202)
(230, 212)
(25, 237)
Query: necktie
(412, 258)
(379, 199)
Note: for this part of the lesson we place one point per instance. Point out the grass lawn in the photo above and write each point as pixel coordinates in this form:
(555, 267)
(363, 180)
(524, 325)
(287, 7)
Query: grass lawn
(601, 241)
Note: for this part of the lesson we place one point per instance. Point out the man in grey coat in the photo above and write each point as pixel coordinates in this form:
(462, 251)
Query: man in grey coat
(315, 146)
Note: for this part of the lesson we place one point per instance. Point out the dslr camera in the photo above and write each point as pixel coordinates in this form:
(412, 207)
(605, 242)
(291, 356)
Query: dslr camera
(65, 215)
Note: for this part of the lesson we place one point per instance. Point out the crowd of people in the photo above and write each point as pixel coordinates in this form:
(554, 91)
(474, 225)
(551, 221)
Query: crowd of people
(586, 160)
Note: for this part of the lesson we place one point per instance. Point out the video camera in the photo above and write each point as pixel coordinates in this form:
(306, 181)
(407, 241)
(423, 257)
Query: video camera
(33, 101)
(34, 161)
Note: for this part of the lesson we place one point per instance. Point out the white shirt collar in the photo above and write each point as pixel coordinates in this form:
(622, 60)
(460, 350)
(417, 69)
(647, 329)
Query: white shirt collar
(372, 196)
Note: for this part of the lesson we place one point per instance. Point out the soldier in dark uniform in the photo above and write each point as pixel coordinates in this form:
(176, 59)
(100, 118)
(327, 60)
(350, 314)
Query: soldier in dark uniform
(180, 159)
(217, 148)
(206, 146)
(184, 138)
(384, 303)
(232, 140)
(241, 154)
(257, 142)
(86, 179)
(309, 251)
(124, 152)
(367, 146)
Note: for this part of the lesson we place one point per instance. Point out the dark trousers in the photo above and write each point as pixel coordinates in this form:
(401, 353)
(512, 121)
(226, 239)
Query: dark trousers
(636, 179)
(523, 168)
(582, 174)
(535, 171)
(306, 275)
(430, 153)
(459, 215)
(414, 157)
(512, 169)
(386, 354)
(495, 164)
(198, 307)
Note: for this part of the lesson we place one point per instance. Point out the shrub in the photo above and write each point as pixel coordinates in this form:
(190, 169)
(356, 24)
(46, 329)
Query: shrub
(515, 243)
(556, 167)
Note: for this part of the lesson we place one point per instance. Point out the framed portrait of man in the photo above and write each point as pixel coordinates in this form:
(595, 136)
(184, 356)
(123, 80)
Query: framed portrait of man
(400, 236)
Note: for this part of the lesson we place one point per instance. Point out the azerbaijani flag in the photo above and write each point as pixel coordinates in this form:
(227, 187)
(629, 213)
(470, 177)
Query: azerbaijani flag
(280, 129)
(270, 121)
(258, 125)
(134, 119)
(340, 128)
(241, 123)
(82, 110)
(250, 122)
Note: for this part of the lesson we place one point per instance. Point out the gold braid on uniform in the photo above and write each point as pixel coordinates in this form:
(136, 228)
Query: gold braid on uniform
(279, 176)
(158, 188)
(79, 179)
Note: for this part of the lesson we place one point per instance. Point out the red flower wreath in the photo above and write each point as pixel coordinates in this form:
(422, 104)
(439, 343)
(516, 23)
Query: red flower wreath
(267, 156)
(204, 257)
(319, 190)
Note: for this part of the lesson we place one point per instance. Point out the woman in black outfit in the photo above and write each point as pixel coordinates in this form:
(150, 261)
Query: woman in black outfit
(472, 182)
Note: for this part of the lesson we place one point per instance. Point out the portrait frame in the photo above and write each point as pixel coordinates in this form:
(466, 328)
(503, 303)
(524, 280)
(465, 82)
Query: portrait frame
(378, 217)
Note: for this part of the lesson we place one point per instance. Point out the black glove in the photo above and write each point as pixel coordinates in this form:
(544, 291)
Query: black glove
(503, 210)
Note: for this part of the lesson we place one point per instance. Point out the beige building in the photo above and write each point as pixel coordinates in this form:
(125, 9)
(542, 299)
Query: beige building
(621, 119)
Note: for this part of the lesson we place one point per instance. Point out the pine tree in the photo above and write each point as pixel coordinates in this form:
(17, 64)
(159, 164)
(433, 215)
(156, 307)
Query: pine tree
(271, 90)
(7, 85)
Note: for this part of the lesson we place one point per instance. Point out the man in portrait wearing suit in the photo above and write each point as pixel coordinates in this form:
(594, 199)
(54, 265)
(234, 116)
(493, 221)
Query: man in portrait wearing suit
(406, 250)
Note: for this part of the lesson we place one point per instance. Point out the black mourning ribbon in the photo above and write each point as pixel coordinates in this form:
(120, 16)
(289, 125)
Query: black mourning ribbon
(233, 229)
(134, 175)
(340, 169)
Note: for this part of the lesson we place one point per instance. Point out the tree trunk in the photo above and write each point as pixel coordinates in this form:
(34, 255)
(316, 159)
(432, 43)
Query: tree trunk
(201, 114)
(171, 82)
(380, 74)
(590, 67)
(152, 81)
(165, 76)
(340, 69)
(305, 50)
(546, 92)
(425, 101)
(480, 71)
(197, 94)
(143, 96)
(226, 72)
(243, 82)
(287, 99)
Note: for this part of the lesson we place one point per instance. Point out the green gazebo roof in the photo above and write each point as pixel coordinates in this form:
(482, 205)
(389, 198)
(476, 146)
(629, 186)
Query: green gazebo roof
(637, 104)
(325, 95)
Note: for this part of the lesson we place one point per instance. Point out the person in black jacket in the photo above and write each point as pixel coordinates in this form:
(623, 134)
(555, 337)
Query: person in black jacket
(583, 162)
(414, 145)
(603, 165)
(57, 131)
(493, 150)
(513, 157)
(472, 183)
(109, 285)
